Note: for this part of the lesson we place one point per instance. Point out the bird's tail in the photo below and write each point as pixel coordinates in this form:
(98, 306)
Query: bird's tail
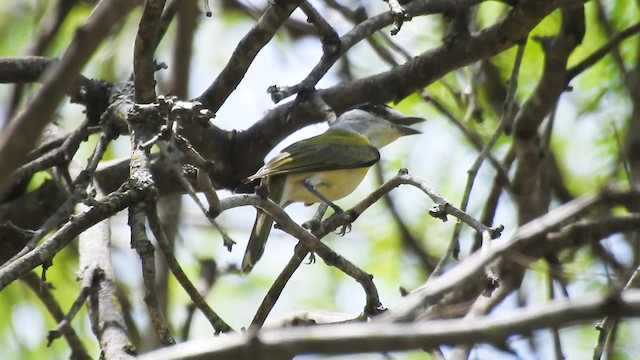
(257, 241)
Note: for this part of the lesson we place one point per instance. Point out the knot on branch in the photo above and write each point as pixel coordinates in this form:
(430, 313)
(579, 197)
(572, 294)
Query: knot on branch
(496, 232)
(170, 109)
(400, 15)
(371, 310)
(279, 93)
(438, 211)
(331, 259)
(544, 41)
(331, 45)
(492, 283)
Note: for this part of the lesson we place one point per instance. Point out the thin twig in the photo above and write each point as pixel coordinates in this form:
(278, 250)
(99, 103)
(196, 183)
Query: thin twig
(140, 242)
(311, 242)
(435, 288)
(245, 53)
(85, 288)
(454, 245)
(209, 273)
(78, 187)
(20, 137)
(219, 325)
(442, 209)
(409, 241)
(43, 292)
(270, 299)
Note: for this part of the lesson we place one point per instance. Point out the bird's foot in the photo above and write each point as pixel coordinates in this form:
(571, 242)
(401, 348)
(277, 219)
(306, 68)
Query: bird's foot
(342, 230)
(312, 258)
(348, 217)
(311, 225)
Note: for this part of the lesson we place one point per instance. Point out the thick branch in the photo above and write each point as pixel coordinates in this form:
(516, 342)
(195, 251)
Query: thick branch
(26, 69)
(239, 154)
(378, 337)
(528, 176)
(103, 306)
(250, 147)
(146, 41)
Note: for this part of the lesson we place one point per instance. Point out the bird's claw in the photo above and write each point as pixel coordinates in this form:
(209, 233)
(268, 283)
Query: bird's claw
(342, 230)
(312, 258)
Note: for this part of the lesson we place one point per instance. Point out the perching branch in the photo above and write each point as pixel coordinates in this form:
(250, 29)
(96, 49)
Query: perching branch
(443, 208)
(311, 242)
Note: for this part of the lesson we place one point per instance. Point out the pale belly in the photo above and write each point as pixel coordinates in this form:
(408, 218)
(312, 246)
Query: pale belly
(334, 185)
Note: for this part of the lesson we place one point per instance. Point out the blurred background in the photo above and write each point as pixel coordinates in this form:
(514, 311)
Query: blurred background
(589, 125)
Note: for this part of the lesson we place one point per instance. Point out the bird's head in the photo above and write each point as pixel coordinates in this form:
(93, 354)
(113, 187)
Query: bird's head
(379, 123)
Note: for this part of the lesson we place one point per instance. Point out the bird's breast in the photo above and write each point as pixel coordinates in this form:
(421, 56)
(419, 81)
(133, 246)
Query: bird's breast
(333, 184)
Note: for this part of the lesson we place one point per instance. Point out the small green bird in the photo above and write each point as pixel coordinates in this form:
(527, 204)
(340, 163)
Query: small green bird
(326, 167)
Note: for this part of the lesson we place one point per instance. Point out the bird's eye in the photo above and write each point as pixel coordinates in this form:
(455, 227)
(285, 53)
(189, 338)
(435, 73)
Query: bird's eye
(373, 108)
(380, 109)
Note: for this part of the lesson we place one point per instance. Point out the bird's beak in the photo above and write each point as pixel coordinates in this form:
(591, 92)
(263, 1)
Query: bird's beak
(407, 120)
(403, 123)
(405, 130)
(399, 118)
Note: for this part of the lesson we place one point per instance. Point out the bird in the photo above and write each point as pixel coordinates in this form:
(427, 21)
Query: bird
(326, 167)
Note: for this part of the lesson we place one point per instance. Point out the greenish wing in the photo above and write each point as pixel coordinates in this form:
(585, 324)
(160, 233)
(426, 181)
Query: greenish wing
(334, 150)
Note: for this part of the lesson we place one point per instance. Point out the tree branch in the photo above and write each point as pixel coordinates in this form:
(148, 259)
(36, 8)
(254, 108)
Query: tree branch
(428, 294)
(51, 246)
(245, 52)
(20, 136)
(382, 336)
(103, 305)
(43, 292)
(145, 45)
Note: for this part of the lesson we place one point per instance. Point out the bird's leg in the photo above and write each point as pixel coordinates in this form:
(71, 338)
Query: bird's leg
(314, 222)
(315, 192)
(346, 228)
